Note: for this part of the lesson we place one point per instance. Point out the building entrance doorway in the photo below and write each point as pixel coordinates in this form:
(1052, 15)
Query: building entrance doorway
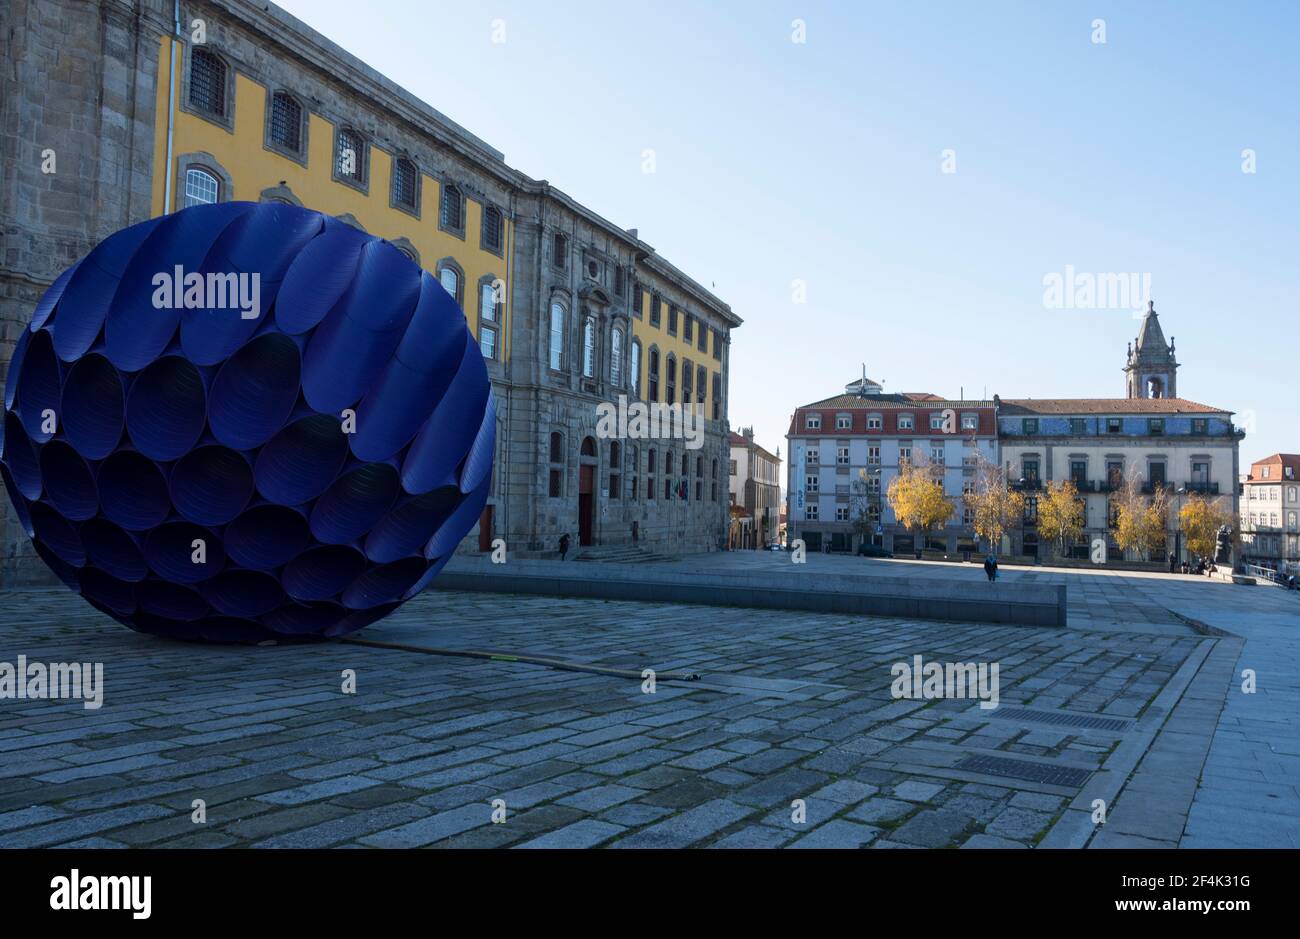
(485, 529)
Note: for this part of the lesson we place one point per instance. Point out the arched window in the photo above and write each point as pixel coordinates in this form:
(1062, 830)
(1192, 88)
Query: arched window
(493, 229)
(670, 380)
(489, 317)
(635, 368)
(350, 156)
(688, 382)
(207, 82)
(589, 347)
(557, 337)
(668, 475)
(588, 446)
(650, 474)
(556, 476)
(452, 210)
(449, 277)
(699, 478)
(715, 479)
(201, 188)
(616, 358)
(652, 378)
(406, 185)
(286, 122)
(701, 378)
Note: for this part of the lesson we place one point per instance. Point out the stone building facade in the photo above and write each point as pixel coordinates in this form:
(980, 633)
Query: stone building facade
(755, 490)
(570, 309)
(1270, 512)
(844, 451)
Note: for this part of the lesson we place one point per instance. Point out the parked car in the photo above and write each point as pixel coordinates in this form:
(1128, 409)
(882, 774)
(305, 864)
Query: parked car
(776, 546)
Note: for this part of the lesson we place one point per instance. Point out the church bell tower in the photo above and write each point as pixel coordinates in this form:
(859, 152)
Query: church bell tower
(1151, 370)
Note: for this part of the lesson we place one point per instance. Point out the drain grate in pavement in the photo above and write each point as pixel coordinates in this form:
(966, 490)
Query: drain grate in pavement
(1062, 719)
(1029, 772)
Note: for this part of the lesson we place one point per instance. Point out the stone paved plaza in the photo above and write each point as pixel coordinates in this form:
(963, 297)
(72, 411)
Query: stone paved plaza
(1137, 705)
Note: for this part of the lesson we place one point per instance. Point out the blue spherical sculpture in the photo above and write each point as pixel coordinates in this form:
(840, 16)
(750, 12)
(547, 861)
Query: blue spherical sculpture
(247, 421)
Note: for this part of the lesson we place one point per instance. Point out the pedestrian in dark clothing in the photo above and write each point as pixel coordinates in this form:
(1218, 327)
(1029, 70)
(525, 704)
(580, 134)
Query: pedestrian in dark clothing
(991, 567)
(1173, 564)
(564, 545)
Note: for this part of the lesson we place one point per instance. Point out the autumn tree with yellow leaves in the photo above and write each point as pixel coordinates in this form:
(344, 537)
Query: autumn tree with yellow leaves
(917, 497)
(1061, 514)
(995, 507)
(1141, 519)
(1201, 519)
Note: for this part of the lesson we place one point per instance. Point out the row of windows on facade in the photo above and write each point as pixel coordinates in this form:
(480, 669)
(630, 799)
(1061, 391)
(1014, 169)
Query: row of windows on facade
(202, 188)
(207, 95)
(593, 269)
(1115, 425)
(844, 513)
(629, 473)
(1269, 519)
(694, 384)
(813, 421)
(1270, 493)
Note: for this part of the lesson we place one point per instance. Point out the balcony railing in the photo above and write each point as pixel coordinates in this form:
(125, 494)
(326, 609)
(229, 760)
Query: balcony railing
(1209, 489)
(1027, 485)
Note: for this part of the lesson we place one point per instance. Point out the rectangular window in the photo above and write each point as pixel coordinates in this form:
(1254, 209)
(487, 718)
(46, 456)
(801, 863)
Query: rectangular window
(936, 421)
(843, 421)
(620, 281)
(812, 484)
(1156, 473)
(873, 456)
(1029, 426)
(1114, 425)
(1078, 425)
(814, 456)
(655, 310)
(638, 299)
(717, 344)
(557, 477)
(701, 376)
(717, 396)
(672, 319)
(905, 422)
(905, 453)
(937, 454)
(810, 512)
(874, 422)
(560, 251)
(1079, 472)
(842, 456)
(1200, 426)
(841, 513)
(733, 468)
(1156, 426)
(1029, 469)
(688, 328)
(970, 422)
(813, 422)
(557, 337)
(704, 338)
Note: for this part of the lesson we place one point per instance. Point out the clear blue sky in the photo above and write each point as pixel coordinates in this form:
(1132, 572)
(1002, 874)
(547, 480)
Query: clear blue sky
(821, 161)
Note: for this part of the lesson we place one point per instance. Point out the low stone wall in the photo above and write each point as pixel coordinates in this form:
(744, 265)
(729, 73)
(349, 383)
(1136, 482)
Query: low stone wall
(958, 601)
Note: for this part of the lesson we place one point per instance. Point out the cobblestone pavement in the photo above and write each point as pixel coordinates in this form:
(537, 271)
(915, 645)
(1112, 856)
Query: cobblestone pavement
(788, 707)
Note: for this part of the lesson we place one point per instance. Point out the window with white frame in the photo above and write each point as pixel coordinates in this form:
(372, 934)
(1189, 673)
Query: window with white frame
(874, 422)
(589, 348)
(201, 188)
(813, 422)
(906, 421)
(873, 455)
(841, 513)
(812, 484)
(814, 456)
(616, 358)
(970, 422)
(557, 337)
(936, 421)
(810, 511)
(843, 421)
(842, 456)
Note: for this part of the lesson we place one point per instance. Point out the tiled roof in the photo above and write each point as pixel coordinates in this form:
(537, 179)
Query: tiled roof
(1016, 406)
(889, 401)
(1283, 460)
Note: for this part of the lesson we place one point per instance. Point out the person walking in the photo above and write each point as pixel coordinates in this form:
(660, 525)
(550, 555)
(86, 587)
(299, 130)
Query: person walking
(991, 567)
(564, 545)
